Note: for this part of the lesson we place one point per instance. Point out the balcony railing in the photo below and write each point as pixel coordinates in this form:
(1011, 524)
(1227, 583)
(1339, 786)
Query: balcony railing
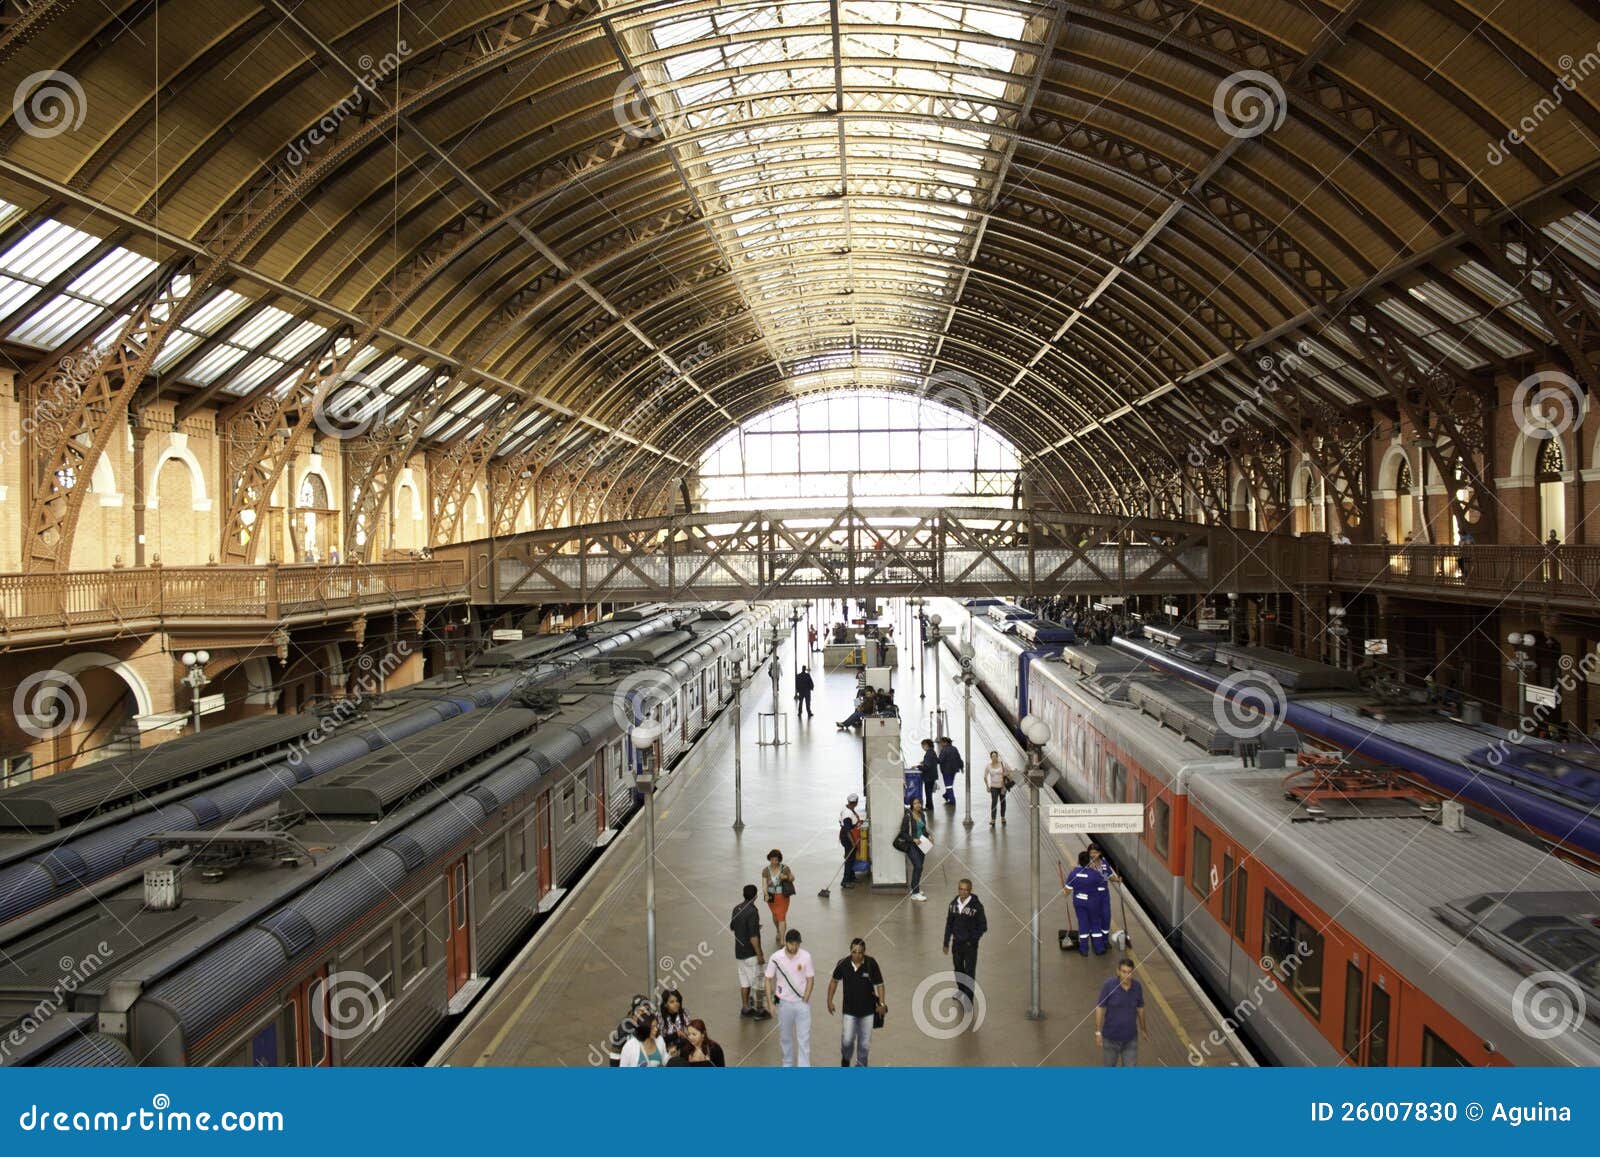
(1528, 572)
(145, 598)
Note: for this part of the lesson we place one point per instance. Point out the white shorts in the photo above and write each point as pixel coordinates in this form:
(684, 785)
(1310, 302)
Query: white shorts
(749, 972)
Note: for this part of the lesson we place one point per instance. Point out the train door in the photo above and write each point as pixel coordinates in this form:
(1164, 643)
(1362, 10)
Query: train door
(1371, 1010)
(546, 856)
(312, 1000)
(458, 946)
(597, 772)
(705, 709)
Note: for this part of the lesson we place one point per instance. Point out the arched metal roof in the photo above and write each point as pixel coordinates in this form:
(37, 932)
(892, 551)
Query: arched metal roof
(604, 233)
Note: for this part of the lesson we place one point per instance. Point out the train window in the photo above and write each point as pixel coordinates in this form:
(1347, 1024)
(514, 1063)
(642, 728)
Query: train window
(519, 848)
(1378, 1029)
(1119, 782)
(569, 804)
(1227, 889)
(1200, 865)
(1436, 1054)
(377, 962)
(413, 945)
(1292, 948)
(1354, 983)
(494, 868)
(316, 1019)
(1241, 901)
(1160, 823)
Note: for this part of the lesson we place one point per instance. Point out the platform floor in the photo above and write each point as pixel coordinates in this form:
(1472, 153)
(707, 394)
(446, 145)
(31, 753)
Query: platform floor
(574, 983)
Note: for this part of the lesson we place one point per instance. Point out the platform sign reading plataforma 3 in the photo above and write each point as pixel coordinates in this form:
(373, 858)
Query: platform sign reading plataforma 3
(1100, 818)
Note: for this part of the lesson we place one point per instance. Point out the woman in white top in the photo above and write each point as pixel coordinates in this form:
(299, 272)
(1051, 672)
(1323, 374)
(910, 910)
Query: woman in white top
(645, 1050)
(998, 777)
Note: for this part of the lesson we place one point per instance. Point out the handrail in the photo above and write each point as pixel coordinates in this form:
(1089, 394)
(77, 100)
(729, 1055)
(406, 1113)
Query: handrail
(1490, 570)
(139, 598)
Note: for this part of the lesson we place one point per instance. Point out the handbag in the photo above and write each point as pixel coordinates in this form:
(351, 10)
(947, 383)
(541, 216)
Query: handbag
(879, 1014)
(786, 887)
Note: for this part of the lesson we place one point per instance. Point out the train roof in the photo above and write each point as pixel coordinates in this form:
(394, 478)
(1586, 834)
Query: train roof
(74, 795)
(1193, 713)
(1292, 672)
(1391, 876)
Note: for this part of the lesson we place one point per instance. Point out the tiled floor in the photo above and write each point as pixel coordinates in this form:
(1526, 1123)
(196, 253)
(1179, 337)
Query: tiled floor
(575, 985)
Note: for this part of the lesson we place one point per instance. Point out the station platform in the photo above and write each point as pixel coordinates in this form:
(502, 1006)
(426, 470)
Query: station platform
(572, 983)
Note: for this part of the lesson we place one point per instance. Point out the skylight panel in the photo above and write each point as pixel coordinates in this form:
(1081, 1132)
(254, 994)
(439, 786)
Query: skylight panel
(46, 251)
(55, 322)
(297, 340)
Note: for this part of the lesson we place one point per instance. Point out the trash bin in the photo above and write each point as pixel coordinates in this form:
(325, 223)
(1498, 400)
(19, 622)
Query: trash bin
(913, 785)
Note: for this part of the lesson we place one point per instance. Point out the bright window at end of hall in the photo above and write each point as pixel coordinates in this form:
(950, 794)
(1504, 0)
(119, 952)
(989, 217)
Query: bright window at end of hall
(881, 446)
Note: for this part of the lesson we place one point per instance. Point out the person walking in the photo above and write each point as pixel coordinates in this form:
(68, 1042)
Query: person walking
(850, 837)
(998, 777)
(748, 957)
(1081, 886)
(811, 640)
(863, 1001)
(644, 1050)
(790, 977)
(950, 765)
(964, 925)
(803, 686)
(913, 833)
(1119, 1017)
(777, 882)
(930, 771)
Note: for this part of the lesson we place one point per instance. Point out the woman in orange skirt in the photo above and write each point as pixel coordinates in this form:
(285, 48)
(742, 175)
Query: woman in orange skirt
(777, 884)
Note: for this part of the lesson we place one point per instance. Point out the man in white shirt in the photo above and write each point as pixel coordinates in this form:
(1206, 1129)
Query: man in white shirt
(790, 976)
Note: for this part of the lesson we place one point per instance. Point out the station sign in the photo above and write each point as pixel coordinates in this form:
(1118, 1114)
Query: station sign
(1541, 696)
(1212, 624)
(209, 704)
(1082, 818)
(1377, 646)
(506, 635)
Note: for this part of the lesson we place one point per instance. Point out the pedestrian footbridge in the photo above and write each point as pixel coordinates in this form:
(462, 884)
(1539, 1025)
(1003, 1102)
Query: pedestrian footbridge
(855, 551)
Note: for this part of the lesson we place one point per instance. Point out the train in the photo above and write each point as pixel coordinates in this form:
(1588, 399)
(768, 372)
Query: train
(68, 832)
(1358, 928)
(349, 919)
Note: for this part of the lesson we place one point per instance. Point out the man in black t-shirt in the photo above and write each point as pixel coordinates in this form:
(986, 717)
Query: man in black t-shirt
(863, 1000)
(747, 954)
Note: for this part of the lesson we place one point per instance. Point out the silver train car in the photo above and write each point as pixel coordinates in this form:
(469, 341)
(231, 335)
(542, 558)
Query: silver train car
(349, 920)
(1359, 931)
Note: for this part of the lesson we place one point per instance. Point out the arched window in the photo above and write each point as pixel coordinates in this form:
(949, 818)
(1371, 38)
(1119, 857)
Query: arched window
(1547, 472)
(879, 445)
(1405, 506)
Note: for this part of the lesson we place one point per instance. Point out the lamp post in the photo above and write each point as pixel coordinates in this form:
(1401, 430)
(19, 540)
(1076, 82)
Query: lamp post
(738, 757)
(794, 626)
(966, 653)
(914, 610)
(644, 740)
(195, 679)
(1037, 732)
(935, 633)
(1521, 662)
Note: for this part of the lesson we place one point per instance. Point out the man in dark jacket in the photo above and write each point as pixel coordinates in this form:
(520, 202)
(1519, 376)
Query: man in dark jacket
(930, 772)
(964, 924)
(803, 686)
(950, 765)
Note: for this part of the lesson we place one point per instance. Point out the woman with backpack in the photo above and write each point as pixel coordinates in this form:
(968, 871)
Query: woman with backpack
(777, 885)
(913, 828)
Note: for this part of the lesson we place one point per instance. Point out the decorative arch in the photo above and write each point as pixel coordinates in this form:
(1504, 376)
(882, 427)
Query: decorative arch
(177, 449)
(81, 661)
